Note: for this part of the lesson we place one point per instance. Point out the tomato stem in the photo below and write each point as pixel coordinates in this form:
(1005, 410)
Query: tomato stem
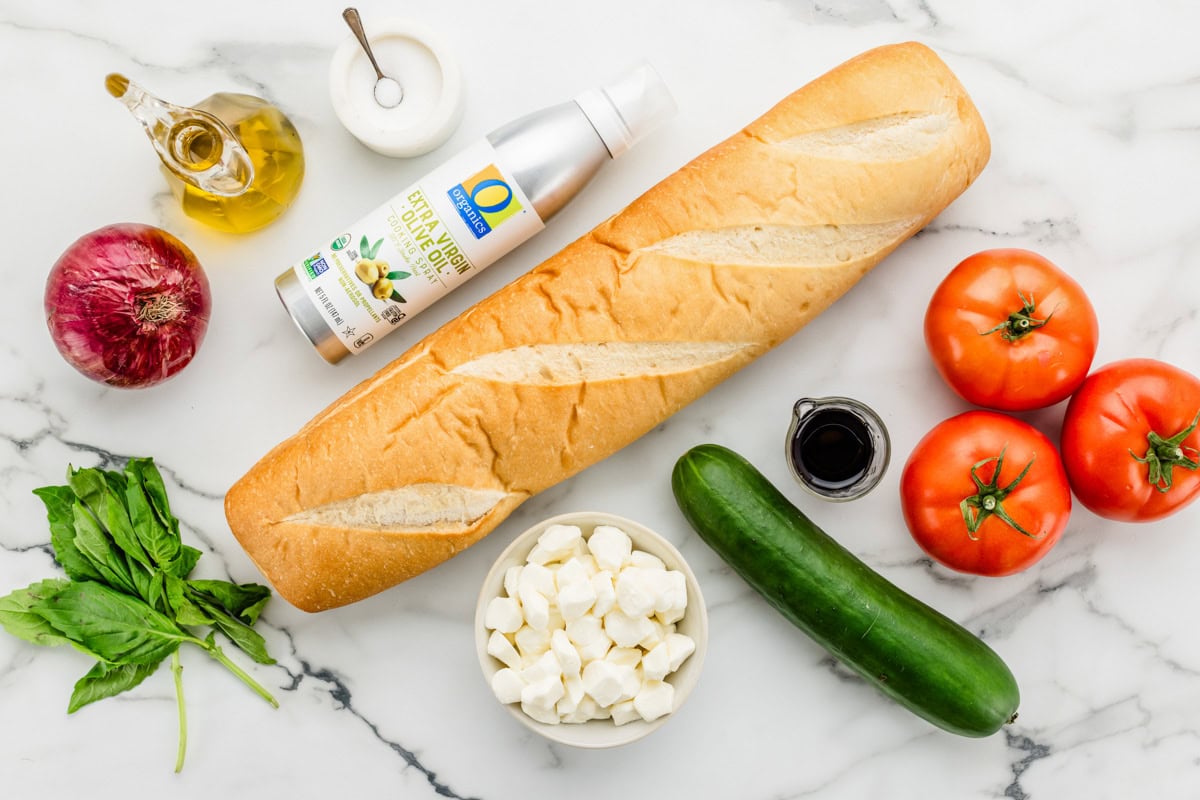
(1020, 323)
(988, 501)
(1164, 455)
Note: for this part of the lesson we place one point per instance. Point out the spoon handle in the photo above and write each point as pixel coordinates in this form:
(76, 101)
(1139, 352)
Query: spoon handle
(355, 22)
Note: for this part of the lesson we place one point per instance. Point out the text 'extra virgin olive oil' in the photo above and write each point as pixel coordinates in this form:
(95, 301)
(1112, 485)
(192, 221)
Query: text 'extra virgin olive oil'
(837, 448)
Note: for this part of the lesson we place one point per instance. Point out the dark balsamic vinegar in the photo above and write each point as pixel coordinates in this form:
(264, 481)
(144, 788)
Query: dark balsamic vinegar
(832, 449)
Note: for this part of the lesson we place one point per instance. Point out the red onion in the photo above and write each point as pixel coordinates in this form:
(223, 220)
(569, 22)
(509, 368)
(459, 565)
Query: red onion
(127, 305)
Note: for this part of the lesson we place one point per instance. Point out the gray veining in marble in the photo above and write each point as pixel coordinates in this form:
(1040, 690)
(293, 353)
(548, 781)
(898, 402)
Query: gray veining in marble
(1094, 113)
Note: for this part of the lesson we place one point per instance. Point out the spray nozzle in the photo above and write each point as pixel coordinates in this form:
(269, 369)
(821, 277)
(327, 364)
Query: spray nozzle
(629, 107)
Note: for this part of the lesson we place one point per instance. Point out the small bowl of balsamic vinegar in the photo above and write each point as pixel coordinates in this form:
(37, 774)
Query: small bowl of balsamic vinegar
(837, 448)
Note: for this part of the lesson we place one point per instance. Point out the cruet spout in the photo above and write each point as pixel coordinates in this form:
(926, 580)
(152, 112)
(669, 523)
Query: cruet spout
(194, 145)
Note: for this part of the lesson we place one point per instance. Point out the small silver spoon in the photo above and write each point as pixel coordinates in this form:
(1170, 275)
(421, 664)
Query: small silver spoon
(388, 91)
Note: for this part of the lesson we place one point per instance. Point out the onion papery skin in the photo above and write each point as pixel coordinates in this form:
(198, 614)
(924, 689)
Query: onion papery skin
(128, 305)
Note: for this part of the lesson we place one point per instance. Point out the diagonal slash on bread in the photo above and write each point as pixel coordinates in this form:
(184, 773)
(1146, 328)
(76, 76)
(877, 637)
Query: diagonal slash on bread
(716, 264)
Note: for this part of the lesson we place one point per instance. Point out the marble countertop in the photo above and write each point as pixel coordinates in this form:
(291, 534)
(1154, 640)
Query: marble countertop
(1094, 113)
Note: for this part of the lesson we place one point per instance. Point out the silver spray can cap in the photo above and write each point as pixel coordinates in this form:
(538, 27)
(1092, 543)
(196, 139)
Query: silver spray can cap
(626, 109)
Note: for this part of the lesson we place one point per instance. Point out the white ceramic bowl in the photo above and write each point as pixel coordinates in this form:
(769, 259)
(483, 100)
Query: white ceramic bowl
(599, 733)
(416, 57)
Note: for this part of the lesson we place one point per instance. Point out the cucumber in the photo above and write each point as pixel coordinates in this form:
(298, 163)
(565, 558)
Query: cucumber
(925, 661)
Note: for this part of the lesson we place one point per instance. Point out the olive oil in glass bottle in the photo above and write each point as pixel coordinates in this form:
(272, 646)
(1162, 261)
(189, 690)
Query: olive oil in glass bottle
(233, 161)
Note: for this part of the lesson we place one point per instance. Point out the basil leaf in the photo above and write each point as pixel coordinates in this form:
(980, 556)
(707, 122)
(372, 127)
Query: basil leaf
(105, 680)
(88, 484)
(246, 638)
(103, 493)
(156, 491)
(159, 538)
(149, 585)
(120, 629)
(59, 502)
(184, 563)
(104, 557)
(17, 614)
(183, 609)
(156, 595)
(116, 482)
(244, 601)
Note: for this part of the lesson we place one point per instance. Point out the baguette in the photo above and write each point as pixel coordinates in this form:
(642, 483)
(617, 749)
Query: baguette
(708, 269)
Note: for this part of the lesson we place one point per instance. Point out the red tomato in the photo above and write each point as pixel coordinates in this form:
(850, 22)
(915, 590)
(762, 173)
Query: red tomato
(1130, 440)
(985, 493)
(1009, 330)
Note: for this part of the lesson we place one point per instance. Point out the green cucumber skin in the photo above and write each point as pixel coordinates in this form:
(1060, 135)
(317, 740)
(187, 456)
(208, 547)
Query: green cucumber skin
(925, 661)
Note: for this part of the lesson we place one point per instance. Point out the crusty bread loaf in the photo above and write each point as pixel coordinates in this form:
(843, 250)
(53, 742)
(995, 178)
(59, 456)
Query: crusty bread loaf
(707, 270)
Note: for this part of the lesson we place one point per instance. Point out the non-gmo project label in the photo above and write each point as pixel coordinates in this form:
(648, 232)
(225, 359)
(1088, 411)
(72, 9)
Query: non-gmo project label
(315, 266)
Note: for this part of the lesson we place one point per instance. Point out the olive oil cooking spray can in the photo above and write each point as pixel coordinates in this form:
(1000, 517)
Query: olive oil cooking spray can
(432, 237)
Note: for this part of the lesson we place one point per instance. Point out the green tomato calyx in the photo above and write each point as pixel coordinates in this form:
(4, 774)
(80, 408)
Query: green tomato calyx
(1164, 455)
(1020, 323)
(988, 501)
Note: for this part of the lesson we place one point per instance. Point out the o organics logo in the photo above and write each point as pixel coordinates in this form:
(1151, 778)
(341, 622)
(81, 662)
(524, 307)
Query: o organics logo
(340, 242)
(484, 201)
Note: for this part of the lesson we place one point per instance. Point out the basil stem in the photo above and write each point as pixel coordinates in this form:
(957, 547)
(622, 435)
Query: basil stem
(177, 671)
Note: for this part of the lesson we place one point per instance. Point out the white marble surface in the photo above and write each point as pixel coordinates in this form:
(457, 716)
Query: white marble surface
(1094, 112)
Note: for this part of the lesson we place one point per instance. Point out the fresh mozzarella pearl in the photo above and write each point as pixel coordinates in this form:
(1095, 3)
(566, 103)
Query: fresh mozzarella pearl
(500, 647)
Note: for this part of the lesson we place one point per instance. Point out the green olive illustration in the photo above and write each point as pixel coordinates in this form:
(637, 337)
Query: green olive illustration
(382, 289)
(368, 271)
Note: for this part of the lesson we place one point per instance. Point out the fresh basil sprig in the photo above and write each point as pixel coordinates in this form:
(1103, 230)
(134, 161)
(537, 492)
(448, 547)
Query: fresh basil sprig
(127, 600)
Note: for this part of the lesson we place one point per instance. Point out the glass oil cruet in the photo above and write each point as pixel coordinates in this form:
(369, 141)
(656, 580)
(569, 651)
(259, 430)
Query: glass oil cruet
(234, 161)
